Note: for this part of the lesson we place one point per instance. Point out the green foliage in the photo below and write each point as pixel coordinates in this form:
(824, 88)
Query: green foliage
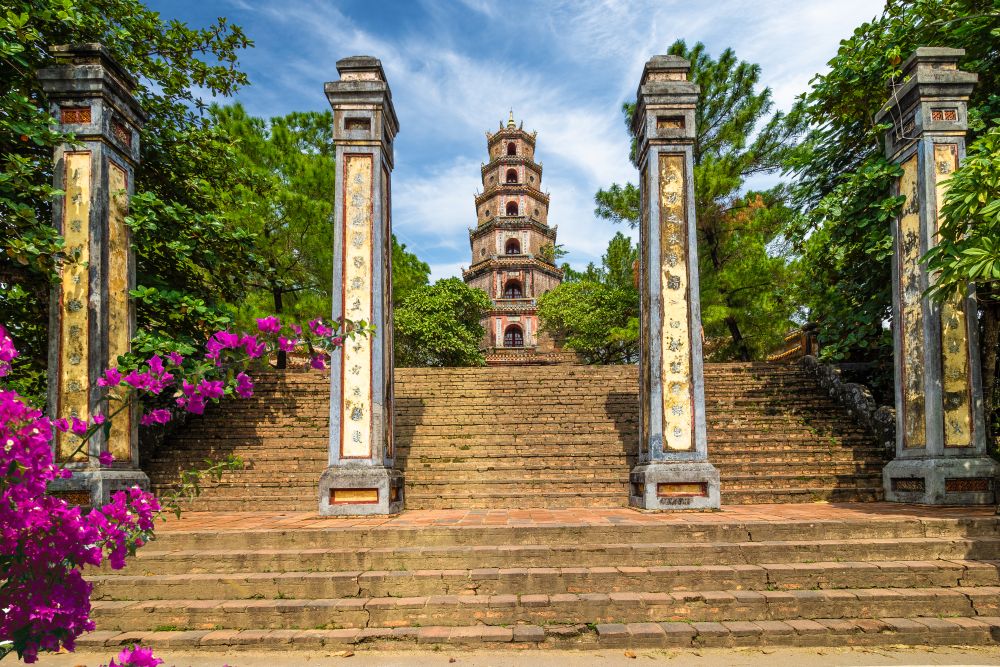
(185, 164)
(439, 325)
(550, 252)
(596, 312)
(845, 267)
(743, 265)
(619, 203)
(843, 180)
(284, 206)
(968, 249)
(408, 272)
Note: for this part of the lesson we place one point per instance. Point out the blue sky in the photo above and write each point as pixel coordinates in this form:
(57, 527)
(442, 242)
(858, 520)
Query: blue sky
(565, 67)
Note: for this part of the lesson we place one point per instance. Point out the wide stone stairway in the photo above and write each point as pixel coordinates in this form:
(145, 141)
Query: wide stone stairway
(864, 574)
(557, 436)
(557, 561)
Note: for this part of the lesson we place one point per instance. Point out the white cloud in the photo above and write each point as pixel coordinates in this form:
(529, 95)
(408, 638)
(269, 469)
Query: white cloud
(564, 66)
(435, 207)
(446, 270)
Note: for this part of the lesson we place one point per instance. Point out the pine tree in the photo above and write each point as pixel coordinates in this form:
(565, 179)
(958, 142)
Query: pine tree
(743, 269)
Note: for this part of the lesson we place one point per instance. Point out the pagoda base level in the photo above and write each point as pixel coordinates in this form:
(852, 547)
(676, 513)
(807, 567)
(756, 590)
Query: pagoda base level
(941, 481)
(674, 486)
(360, 491)
(93, 488)
(527, 356)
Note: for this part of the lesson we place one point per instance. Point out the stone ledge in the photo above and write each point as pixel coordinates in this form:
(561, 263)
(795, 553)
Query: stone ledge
(917, 631)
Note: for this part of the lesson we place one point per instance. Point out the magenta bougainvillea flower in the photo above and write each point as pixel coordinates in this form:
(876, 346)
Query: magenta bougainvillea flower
(45, 542)
(136, 656)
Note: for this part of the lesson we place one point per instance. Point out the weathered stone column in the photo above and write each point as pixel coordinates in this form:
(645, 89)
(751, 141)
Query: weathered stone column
(92, 319)
(672, 471)
(361, 477)
(940, 430)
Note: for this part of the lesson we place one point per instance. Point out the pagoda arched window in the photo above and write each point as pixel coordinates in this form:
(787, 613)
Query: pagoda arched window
(512, 176)
(513, 336)
(513, 247)
(512, 289)
(512, 148)
(512, 208)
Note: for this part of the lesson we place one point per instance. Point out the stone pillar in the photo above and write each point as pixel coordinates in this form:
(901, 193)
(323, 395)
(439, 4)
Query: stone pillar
(940, 429)
(92, 318)
(672, 470)
(361, 477)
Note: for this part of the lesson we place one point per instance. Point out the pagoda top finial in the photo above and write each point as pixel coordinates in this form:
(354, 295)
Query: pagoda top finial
(510, 121)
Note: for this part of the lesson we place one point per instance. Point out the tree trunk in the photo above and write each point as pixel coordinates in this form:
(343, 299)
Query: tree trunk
(277, 294)
(734, 327)
(737, 336)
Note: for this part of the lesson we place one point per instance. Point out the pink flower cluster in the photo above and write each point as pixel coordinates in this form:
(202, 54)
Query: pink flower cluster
(45, 542)
(136, 656)
(7, 352)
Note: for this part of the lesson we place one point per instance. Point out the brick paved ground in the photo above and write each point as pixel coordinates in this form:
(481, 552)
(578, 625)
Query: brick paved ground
(244, 521)
(772, 657)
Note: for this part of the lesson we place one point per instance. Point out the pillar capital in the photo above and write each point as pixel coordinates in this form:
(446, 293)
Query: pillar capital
(931, 97)
(91, 95)
(665, 105)
(941, 455)
(363, 113)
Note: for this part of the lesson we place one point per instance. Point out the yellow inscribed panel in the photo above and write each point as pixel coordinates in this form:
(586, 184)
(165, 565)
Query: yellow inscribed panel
(668, 489)
(356, 417)
(957, 403)
(74, 298)
(119, 331)
(354, 496)
(911, 308)
(675, 331)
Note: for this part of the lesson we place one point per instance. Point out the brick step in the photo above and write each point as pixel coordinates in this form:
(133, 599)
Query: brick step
(564, 528)
(305, 499)
(486, 456)
(548, 581)
(151, 560)
(518, 500)
(567, 608)
(554, 473)
(807, 494)
(747, 479)
(734, 473)
(738, 478)
(822, 632)
(272, 465)
(244, 502)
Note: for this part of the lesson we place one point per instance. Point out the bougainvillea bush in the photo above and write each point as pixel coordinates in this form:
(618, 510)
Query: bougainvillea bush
(44, 541)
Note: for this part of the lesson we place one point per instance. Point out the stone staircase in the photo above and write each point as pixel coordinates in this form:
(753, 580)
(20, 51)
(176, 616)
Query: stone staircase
(583, 580)
(543, 436)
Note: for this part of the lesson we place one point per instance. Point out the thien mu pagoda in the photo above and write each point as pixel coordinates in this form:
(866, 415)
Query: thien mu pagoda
(513, 250)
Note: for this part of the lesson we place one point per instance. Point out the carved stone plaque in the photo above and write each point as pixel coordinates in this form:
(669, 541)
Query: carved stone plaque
(356, 419)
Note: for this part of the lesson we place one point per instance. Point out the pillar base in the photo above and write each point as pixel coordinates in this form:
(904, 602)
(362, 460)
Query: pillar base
(360, 490)
(97, 485)
(674, 486)
(941, 481)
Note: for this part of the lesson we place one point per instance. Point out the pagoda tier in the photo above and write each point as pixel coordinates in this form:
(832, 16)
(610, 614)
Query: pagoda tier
(513, 250)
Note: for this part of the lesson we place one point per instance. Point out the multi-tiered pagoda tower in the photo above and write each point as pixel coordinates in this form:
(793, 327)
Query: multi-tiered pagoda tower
(513, 250)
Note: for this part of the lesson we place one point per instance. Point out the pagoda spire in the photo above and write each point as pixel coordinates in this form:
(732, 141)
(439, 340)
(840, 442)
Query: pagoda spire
(510, 121)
